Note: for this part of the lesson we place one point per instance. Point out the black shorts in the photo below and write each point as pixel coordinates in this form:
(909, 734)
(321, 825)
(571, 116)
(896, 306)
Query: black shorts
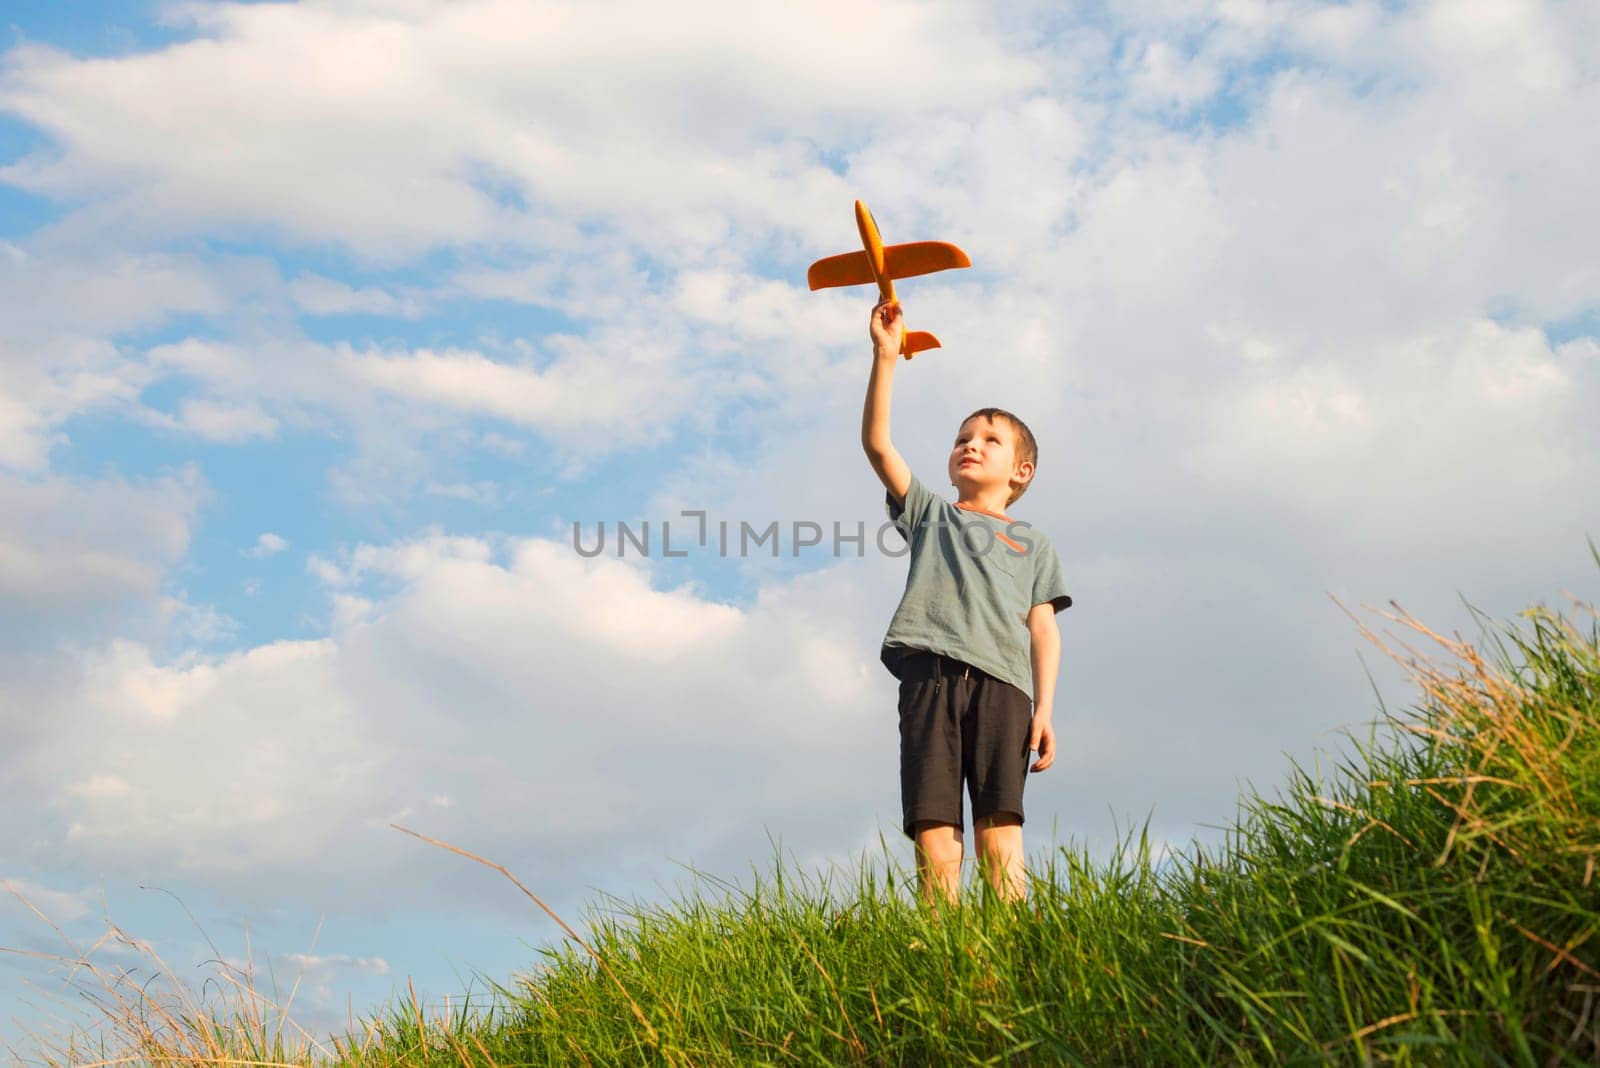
(958, 724)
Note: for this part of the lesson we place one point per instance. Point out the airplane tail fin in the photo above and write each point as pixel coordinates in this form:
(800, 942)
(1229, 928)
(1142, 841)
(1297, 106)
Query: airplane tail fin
(916, 341)
(899, 261)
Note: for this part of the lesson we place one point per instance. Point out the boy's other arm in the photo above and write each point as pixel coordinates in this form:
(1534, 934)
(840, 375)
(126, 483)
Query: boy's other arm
(887, 329)
(1045, 653)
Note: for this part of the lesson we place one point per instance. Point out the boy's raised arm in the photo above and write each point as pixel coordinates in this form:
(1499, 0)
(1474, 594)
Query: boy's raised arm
(887, 329)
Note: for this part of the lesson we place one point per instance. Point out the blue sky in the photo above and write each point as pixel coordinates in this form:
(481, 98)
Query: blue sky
(321, 323)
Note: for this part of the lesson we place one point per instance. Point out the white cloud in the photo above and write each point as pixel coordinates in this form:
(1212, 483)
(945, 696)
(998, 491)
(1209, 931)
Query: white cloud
(69, 546)
(316, 295)
(316, 967)
(268, 544)
(35, 400)
(47, 288)
(62, 309)
(213, 421)
(478, 102)
(217, 756)
(501, 445)
(97, 786)
(610, 702)
(485, 493)
(465, 381)
(1164, 74)
(1418, 443)
(59, 906)
(759, 310)
(407, 409)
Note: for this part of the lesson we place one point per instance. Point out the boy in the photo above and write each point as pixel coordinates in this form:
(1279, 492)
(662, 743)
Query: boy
(974, 633)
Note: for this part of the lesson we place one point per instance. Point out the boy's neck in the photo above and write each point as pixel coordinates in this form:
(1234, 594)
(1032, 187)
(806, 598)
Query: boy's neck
(986, 500)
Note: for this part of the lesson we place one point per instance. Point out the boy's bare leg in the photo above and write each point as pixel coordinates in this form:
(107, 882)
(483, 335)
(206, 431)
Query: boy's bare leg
(998, 839)
(938, 860)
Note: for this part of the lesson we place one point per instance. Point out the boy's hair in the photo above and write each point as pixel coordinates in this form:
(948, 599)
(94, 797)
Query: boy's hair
(1027, 447)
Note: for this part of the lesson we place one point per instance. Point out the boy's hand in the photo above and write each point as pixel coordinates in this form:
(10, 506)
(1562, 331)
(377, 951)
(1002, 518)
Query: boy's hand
(888, 328)
(1042, 738)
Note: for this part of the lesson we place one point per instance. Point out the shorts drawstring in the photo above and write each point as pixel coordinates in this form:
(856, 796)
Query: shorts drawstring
(938, 670)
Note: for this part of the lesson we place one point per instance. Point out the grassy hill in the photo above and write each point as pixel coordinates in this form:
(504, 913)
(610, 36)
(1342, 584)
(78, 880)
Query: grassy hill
(1432, 900)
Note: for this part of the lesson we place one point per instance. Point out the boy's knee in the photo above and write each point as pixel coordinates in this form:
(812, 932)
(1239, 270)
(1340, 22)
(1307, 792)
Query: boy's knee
(999, 837)
(940, 843)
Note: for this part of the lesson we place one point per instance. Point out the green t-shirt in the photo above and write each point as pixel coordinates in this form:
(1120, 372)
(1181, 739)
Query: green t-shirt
(972, 580)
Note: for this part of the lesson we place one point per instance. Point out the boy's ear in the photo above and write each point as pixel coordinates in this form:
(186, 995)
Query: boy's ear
(1023, 473)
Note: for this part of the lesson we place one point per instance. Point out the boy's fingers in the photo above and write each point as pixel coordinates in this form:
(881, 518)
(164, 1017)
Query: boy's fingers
(1045, 745)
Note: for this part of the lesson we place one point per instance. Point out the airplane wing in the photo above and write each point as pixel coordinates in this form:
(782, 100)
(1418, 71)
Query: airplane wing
(899, 261)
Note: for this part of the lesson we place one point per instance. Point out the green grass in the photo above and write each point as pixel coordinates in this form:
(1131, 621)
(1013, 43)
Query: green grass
(1431, 899)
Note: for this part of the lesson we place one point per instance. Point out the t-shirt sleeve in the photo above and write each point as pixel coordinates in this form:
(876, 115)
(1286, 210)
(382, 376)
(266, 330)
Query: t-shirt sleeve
(1049, 585)
(914, 513)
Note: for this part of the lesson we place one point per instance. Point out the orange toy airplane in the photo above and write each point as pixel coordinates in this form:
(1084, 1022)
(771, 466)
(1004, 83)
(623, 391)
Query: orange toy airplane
(882, 264)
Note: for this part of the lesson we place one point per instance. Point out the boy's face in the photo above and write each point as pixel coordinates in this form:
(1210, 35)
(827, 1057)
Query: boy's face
(985, 456)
